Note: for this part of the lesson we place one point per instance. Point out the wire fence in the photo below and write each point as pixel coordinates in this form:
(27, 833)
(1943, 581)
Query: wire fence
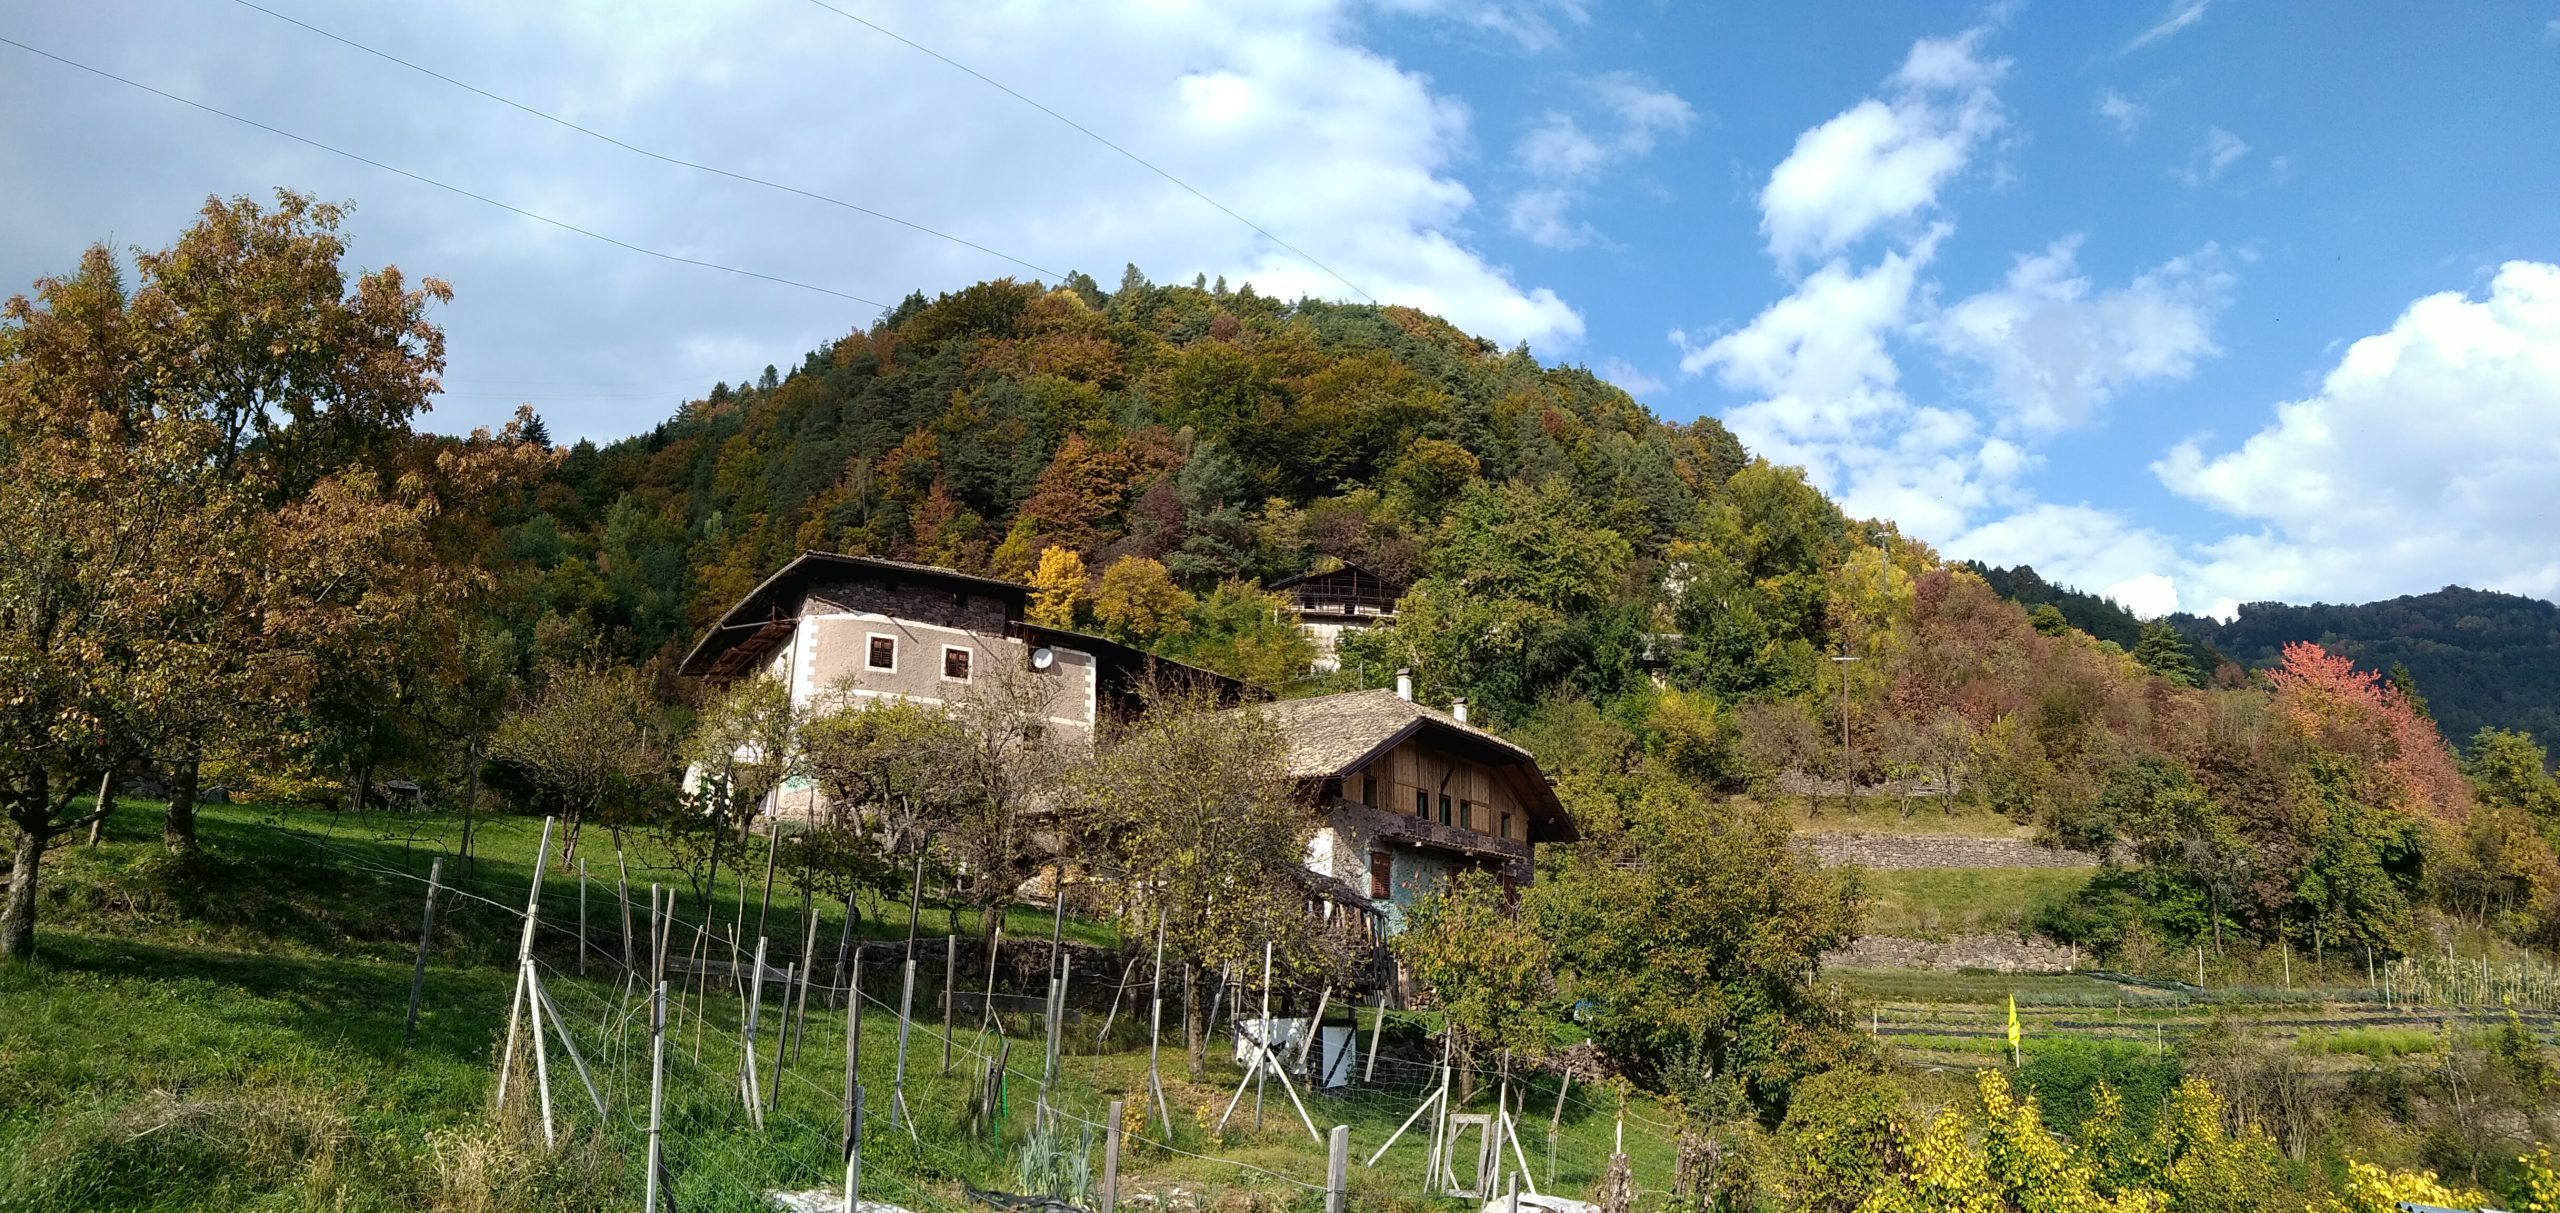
(753, 1091)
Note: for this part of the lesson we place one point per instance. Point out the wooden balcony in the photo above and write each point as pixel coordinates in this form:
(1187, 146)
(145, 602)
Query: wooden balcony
(1424, 832)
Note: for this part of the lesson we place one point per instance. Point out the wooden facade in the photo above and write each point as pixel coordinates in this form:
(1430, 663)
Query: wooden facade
(1432, 783)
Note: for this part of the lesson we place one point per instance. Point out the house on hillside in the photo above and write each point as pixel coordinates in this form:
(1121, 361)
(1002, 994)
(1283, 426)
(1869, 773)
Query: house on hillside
(1343, 599)
(1410, 796)
(831, 626)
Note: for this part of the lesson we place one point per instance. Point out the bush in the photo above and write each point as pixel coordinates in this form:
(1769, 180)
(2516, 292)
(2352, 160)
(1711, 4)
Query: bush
(2063, 1075)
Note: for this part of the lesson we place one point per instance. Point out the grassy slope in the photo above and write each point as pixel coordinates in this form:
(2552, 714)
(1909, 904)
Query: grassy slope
(229, 1037)
(1935, 903)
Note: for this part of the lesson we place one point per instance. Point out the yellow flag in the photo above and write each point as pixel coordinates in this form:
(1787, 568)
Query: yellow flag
(2013, 1027)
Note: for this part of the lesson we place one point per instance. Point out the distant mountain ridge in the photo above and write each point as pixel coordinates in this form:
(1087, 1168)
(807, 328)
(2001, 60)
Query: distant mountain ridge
(2481, 658)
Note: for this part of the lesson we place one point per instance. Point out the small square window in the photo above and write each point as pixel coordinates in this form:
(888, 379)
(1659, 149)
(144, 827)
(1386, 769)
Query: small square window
(955, 664)
(1382, 874)
(884, 653)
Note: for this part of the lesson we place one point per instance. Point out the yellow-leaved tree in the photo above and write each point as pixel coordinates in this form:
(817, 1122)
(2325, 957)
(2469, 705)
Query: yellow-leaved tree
(1057, 588)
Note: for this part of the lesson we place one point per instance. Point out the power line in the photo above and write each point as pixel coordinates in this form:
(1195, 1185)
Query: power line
(661, 157)
(425, 180)
(1089, 133)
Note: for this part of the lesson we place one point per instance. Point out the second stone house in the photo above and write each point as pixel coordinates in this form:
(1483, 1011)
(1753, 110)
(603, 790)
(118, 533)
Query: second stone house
(1410, 796)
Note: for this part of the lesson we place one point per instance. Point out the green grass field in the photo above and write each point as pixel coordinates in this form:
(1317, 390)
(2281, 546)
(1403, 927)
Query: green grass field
(1936, 903)
(227, 1035)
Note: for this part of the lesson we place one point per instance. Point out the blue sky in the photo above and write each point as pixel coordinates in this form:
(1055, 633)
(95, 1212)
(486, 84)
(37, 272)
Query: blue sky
(2191, 301)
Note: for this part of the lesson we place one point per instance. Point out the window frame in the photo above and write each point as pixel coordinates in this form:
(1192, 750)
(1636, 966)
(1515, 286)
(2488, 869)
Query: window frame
(1382, 875)
(870, 650)
(968, 663)
(1422, 804)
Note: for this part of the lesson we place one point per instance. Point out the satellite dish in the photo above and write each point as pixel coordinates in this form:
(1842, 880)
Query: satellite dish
(1043, 657)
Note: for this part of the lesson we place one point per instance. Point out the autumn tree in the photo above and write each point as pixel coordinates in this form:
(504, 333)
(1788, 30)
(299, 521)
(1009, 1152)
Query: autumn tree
(111, 531)
(584, 741)
(1489, 972)
(1192, 809)
(1139, 604)
(307, 376)
(1058, 590)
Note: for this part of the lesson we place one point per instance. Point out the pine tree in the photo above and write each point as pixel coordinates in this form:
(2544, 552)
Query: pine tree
(2164, 652)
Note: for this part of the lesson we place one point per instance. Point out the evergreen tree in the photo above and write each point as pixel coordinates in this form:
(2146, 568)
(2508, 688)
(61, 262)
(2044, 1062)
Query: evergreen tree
(2164, 652)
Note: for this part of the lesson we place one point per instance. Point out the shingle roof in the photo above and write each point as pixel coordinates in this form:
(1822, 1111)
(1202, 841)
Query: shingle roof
(1330, 734)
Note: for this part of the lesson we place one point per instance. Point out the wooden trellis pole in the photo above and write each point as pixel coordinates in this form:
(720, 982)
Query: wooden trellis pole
(426, 932)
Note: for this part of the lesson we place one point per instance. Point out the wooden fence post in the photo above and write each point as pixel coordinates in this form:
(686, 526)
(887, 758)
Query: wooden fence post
(426, 931)
(657, 1086)
(582, 916)
(106, 805)
(1111, 1160)
(950, 991)
(524, 961)
(1337, 1171)
(622, 889)
(747, 1091)
(781, 1040)
(852, 1050)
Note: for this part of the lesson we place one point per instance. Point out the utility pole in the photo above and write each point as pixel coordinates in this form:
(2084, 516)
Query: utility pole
(1843, 661)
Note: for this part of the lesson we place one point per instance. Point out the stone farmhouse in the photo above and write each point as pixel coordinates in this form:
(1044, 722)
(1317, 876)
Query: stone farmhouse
(1407, 794)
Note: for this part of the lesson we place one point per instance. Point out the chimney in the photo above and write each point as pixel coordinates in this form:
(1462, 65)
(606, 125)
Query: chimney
(1458, 708)
(1404, 685)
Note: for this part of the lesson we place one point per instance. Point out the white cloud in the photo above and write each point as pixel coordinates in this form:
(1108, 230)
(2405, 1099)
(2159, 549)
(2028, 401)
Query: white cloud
(1542, 217)
(1827, 396)
(1274, 110)
(2181, 15)
(1631, 377)
(1883, 160)
(1644, 112)
(2055, 349)
(2084, 547)
(2220, 150)
(1563, 157)
(2424, 459)
(1558, 147)
(1529, 25)
(2551, 32)
(2126, 113)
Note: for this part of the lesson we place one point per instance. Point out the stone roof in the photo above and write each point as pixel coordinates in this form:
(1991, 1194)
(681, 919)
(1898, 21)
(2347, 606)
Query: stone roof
(1329, 735)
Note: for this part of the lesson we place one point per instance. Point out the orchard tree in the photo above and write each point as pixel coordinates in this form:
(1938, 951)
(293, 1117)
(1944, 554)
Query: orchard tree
(585, 742)
(1193, 810)
(1692, 936)
(114, 533)
(1489, 972)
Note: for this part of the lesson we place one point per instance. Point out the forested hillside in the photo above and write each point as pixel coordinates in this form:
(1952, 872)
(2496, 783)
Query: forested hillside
(1657, 613)
(2481, 658)
(1226, 435)
(1697, 645)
